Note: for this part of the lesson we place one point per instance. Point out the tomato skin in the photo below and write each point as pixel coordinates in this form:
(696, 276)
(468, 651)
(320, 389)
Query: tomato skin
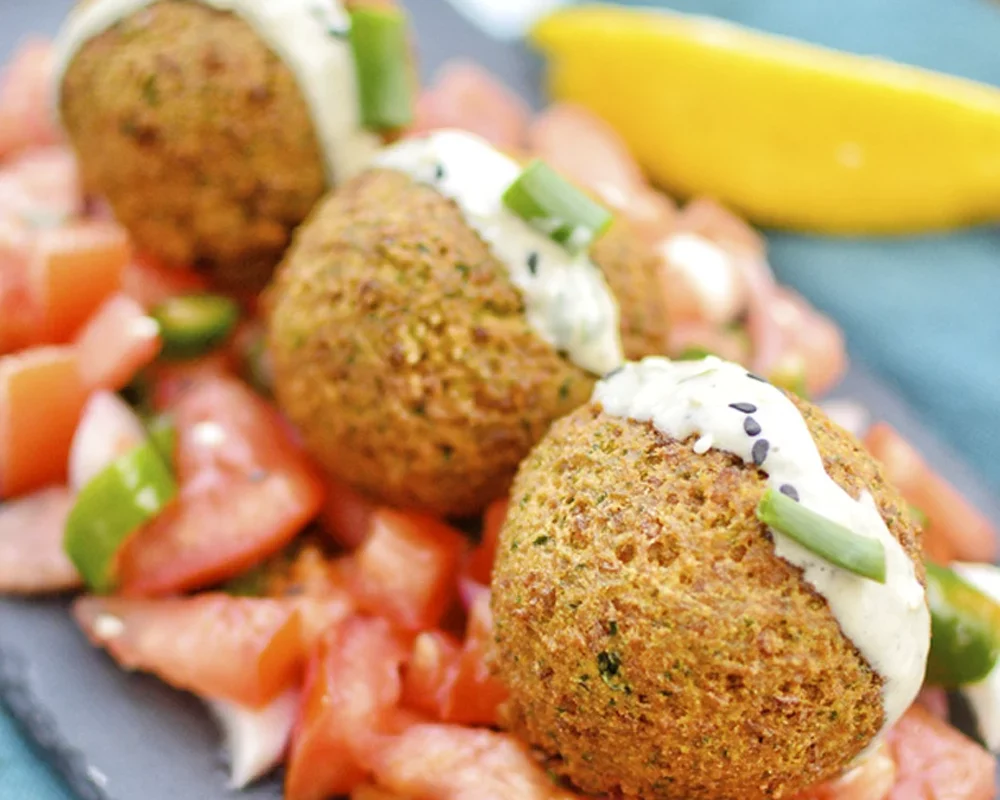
(405, 569)
(451, 762)
(347, 514)
(245, 492)
(26, 116)
(937, 762)
(41, 398)
(117, 342)
(171, 380)
(352, 686)
(32, 559)
(368, 791)
(246, 650)
(478, 565)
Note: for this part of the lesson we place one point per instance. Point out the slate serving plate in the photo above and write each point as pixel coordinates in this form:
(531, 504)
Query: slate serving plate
(115, 736)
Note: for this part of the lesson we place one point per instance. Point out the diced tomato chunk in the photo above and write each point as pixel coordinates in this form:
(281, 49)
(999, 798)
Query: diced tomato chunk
(347, 513)
(41, 188)
(32, 558)
(479, 563)
(117, 342)
(243, 649)
(150, 283)
(451, 762)
(171, 380)
(75, 268)
(26, 105)
(430, 670)
(406, 568)
(352, 686)
(937, 762)
(872, 779)
(245, 492)
(368, 791)
(473, 694)
(41, 397)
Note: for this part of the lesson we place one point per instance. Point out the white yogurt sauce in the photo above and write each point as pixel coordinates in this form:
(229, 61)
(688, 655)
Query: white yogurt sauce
(309, 36)
(567, 300)
(984, 696)
(730, 410)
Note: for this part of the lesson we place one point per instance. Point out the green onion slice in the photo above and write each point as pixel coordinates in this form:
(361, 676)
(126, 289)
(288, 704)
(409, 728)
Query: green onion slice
(163, 435)
(839, 545)
(382, 63)
(194, 325)
(118, 501)
(551, 204)
(965, 630)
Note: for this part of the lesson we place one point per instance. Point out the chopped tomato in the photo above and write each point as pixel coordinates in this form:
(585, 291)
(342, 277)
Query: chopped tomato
(352, 687)
(41, 188)
(429, 671)
(473, 694)
(26, 116)
(479, 563)
(321, 614)
(451, 762)
(870, 780)
(406, 568)
(150, 283)
(32, 558)
(955, 530)
(465, 96)
(937, 762)
(108, 429)
(20, 323)
(243, 649)
(116, 343)
(171, 380)
(73, 269)
(368, 791)
(245, 491)
(347, 513)
(41, 397)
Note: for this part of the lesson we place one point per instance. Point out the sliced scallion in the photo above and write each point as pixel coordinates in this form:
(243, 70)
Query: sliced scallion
(382, 64)
(840, 546)
(119, 500)
(551, 204)
(195, 324)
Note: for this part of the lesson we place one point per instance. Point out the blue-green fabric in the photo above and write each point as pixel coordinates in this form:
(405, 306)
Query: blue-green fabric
(924, 312)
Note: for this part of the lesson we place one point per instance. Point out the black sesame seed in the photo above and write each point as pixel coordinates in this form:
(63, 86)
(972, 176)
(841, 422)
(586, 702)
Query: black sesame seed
(791, 491)
(751, 426)
(439, 172)
(533, 262)
(759, 451)
(745, 408)
(756, 377)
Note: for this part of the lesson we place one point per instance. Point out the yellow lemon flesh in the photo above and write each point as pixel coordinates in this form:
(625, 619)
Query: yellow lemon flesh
(789, 134)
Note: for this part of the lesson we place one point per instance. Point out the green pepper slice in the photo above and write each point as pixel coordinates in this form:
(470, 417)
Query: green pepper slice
(965, 630)
(119, 500)
(193, 325)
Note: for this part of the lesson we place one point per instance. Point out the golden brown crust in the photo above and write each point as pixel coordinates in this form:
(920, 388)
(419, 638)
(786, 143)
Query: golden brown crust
(198, 135)
(401, 350)
(653, 643)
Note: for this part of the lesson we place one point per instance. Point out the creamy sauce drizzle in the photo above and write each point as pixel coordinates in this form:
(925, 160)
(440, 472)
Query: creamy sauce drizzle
(309, 36)
(568, 303)
(889, 623)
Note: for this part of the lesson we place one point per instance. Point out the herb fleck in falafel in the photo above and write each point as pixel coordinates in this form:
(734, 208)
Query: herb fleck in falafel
(424, 338)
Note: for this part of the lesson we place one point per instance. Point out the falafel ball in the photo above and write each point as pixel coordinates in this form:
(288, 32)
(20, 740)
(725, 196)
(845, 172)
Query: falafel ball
(402, 350)
(198, 134)
(653, 643)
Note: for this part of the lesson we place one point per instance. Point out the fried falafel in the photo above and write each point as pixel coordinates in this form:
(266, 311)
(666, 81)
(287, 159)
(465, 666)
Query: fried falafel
(404, 351)
(653, 641)
(207, 138)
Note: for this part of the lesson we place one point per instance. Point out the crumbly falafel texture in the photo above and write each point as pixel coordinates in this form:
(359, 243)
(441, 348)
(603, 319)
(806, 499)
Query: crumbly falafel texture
(402, 352)
(198, 136)
(653, 643)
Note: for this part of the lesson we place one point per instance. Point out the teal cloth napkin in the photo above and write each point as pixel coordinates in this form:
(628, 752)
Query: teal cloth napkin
(924, 312)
